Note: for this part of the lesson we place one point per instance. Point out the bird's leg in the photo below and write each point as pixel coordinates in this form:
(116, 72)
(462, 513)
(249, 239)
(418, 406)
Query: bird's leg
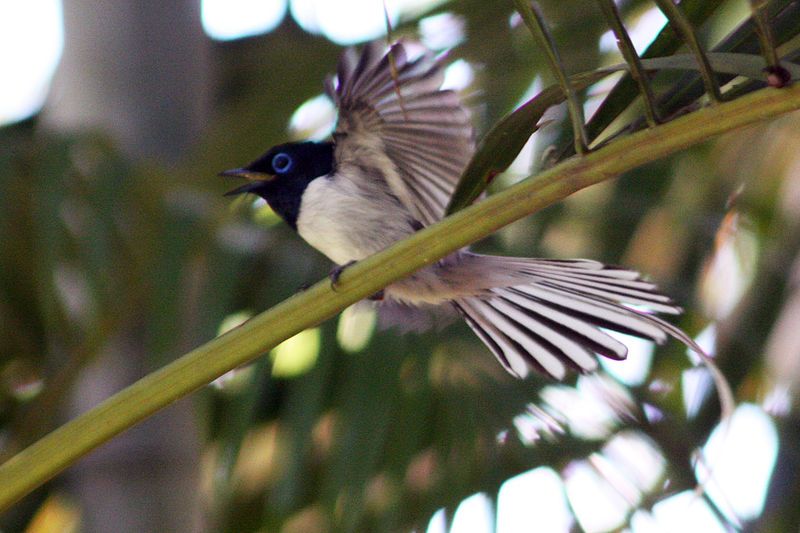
(336, 273)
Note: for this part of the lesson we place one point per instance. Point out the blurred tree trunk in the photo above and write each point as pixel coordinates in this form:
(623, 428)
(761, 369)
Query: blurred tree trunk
(138, 71)
(148, 478)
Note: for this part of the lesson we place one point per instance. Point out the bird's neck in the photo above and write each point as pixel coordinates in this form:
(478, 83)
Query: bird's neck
(285, 201)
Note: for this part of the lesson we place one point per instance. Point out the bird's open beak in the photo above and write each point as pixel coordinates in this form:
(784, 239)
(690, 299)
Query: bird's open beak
(255, 180)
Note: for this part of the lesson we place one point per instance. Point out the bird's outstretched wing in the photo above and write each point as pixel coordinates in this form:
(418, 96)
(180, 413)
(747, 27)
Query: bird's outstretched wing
(393, 110)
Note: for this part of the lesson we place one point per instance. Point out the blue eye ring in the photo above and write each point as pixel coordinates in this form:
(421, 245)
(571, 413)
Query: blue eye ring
(282, 163)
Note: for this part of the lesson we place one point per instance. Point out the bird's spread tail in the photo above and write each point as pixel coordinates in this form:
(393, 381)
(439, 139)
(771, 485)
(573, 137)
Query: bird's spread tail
(553, 322)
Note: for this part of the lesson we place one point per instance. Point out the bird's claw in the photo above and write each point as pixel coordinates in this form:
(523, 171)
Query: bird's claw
(336, 273)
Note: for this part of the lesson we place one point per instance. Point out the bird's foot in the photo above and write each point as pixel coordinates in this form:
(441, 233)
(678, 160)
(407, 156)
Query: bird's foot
(336, 273)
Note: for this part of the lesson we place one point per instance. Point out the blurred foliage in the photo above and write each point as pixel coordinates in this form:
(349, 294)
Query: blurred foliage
(97, 249)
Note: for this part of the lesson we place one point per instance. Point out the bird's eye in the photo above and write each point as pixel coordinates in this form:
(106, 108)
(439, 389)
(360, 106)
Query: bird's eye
(282, 163)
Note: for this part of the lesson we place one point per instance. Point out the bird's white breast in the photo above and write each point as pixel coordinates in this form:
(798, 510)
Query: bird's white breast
(348, 218)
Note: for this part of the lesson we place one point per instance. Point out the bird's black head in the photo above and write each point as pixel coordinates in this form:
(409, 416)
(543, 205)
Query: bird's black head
(281, 175)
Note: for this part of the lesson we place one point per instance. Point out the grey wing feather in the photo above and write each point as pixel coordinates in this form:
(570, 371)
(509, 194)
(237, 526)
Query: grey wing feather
(392, 109)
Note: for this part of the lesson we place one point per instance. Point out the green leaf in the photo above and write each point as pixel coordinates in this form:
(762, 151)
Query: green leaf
(748, 65)
(785, 22)
(501, 145)
(666, 43)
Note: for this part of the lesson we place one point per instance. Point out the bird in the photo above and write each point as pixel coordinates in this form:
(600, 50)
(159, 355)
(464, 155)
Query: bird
(399, 147)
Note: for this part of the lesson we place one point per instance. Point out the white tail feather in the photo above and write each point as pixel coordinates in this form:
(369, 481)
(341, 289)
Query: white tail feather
(555, 322)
